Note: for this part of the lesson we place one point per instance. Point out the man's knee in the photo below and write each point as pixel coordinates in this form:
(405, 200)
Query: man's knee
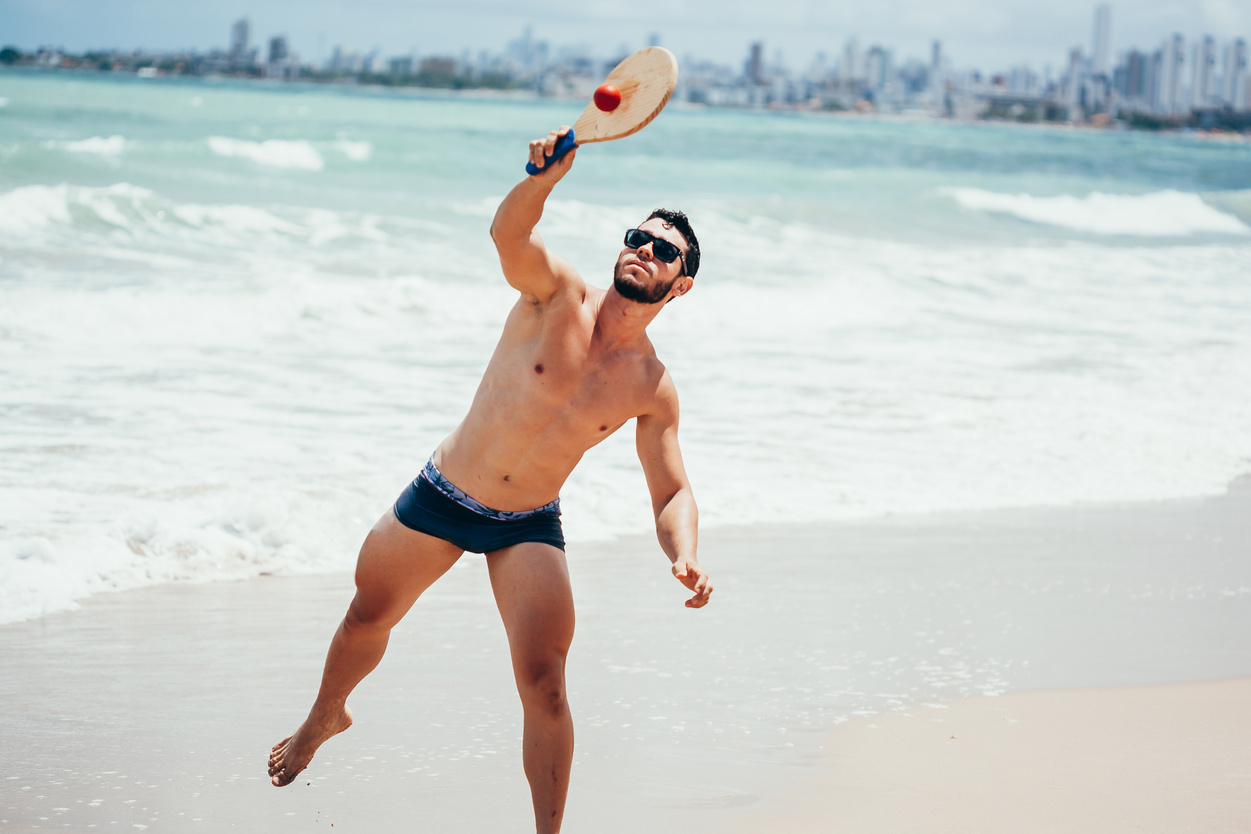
(368, 615)
(377, 604)
(541, 684)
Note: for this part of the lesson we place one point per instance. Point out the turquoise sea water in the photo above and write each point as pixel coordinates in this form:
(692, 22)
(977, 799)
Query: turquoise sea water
(235, 318)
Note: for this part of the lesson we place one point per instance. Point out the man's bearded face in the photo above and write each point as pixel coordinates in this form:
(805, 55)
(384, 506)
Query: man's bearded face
(634, 291)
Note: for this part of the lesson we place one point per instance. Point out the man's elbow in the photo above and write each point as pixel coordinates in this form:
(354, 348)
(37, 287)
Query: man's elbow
(499, 226)
(681, 499)
(509, 241)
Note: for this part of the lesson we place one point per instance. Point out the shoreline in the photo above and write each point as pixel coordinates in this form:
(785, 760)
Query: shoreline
(160, 704)
(1238, 489)
(518, 94)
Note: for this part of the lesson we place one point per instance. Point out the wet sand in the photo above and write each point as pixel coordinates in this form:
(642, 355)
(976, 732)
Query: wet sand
(156, 708)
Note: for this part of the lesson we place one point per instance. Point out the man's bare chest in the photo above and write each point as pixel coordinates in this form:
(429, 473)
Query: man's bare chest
(589, 386)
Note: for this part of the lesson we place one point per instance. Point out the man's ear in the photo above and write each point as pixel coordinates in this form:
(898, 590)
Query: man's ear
(683, 286)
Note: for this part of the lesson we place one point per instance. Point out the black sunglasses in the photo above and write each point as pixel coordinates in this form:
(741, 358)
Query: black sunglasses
(661, 248)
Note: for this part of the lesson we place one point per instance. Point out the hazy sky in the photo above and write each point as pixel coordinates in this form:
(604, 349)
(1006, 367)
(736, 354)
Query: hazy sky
(988, 34)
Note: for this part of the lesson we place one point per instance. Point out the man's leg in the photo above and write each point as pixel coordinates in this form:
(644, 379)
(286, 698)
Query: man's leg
(395, 565)
(531, 584)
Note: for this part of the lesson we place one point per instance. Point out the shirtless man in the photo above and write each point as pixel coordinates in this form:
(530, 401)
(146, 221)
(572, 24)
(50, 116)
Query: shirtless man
(573, 365)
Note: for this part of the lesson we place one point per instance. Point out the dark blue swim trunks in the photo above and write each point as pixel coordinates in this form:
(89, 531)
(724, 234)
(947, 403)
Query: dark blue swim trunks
(433, 505)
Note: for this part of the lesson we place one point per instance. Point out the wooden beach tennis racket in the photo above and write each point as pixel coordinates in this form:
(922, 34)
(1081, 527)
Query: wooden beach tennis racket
(644, 80)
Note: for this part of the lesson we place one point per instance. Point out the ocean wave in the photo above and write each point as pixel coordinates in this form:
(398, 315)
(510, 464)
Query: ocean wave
(132, 210)
(195, 540)
(275, 153)
(100, 145)
(914, 376)
(125, 225)
(355, 151)
(31, 207)
(1159, 214)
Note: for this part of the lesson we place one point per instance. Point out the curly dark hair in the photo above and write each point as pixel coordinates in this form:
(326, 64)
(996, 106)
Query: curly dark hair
(682, 223)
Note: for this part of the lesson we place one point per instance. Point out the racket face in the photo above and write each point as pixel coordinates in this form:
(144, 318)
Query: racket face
(646, 80)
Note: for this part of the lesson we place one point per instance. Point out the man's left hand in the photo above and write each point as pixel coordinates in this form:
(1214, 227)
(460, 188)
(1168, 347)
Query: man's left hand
(690, 574)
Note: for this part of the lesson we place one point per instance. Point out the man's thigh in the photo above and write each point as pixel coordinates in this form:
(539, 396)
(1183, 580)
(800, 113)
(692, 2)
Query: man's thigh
(396, 564)
(532, 590)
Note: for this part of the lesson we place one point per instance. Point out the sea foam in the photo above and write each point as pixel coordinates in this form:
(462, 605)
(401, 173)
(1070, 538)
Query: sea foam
(85, 212)
(32, 207)
(1162, 213)
(355, 151)
(275, 153)
(100, 145)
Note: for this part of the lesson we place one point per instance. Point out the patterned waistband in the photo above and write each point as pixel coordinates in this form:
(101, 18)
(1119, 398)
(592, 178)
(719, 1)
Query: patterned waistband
(432, 474)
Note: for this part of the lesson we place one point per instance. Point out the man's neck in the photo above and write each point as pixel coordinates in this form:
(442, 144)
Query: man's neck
(621, 322)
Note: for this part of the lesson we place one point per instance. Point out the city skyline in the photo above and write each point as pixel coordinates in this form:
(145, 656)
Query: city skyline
(991, 36)
(1150, 88)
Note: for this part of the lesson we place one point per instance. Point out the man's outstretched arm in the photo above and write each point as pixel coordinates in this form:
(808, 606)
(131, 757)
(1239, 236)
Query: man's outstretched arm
(673, 502)
(527, 264)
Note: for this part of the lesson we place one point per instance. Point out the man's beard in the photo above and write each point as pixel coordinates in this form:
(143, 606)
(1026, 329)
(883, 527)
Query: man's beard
(635, 292)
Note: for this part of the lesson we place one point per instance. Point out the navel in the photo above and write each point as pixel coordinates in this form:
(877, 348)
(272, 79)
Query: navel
(538, 369)
(508, 477)
(603, 428)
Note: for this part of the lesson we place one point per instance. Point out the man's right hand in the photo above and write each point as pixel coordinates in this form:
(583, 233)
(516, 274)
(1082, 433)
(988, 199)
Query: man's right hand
(694, 577)
(539, 150)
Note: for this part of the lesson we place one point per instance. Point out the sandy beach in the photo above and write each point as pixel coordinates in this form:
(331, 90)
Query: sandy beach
(1168, 759)
(155, 708)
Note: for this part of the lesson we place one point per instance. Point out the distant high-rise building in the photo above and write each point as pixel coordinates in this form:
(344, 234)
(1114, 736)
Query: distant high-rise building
(277, 49)
(1152, 82)
(936, 69)
(1202, 72)
(1174, 55)
(1022, 80)
(1102, 39)
(239, 32)
(877, 67)
(1235, 77)
(402, 67)
(521, 50)
(849, 66)
(755, 64)
(1073, 79)
(1241, 99)
(1136, 71)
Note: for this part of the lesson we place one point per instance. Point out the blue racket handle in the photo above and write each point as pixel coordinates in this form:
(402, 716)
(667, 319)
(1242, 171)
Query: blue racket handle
(563, 146)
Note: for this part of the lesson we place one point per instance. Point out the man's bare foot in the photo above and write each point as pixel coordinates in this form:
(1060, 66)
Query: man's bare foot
(293, 753)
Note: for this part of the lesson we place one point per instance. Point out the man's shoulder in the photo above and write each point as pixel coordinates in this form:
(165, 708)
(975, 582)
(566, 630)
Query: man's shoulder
(662, 399)
(575, 291)
(569, 295)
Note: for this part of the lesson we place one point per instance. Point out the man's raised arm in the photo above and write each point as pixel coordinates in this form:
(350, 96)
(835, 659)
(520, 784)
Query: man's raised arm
(528, 266)
(673, 502)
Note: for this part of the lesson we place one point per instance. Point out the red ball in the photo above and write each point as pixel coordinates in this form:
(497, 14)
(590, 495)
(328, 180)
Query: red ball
(607, 98)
